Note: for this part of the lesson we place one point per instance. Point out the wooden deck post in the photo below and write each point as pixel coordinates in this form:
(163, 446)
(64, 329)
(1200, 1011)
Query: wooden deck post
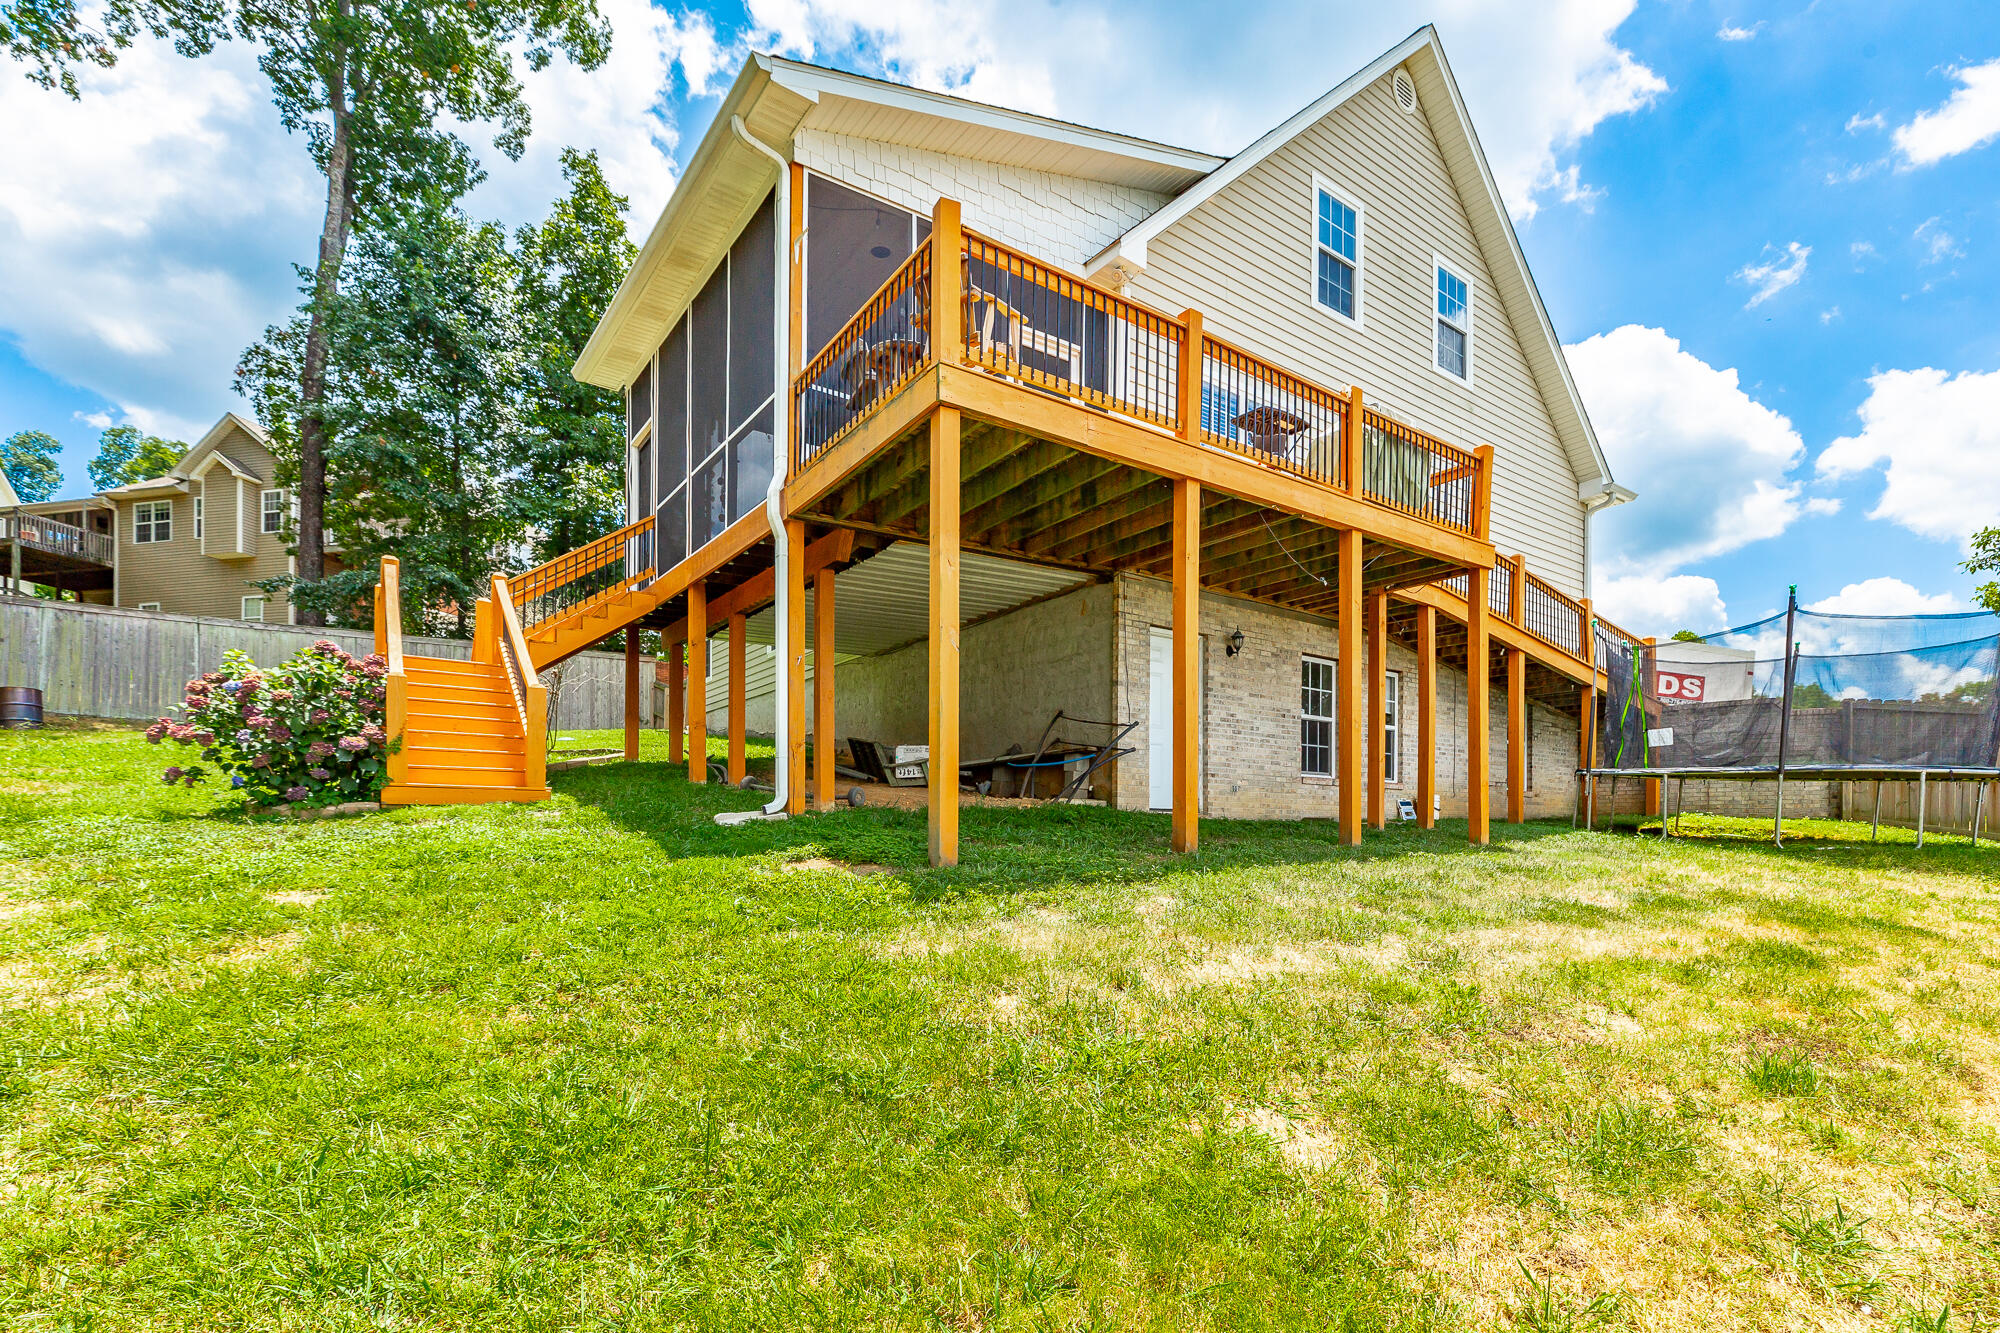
(739, 696)
(632, 692)
(1350, 442)
(823, 744)
(676, 703)
(1482, 492)
(1517, 599)
(1378, 708)
(1517, 734)
(1478, 796)
(697, 682)
(1186, 717)
(1427, 707)
(944, 623)
(947, 297)
(1187, 399)
(1347, 695)
(797, 801)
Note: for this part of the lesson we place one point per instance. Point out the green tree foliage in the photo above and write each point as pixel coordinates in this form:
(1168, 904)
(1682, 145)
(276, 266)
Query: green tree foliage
(1686, 636)
(1812, 694)
(425, 370)
(1986, 560)
(573, 434)
(29, 460)
(126, 454)
(375, 86)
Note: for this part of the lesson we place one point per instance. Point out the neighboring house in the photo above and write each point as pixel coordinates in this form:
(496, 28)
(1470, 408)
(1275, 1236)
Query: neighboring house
(1211, 427)
(196, 540)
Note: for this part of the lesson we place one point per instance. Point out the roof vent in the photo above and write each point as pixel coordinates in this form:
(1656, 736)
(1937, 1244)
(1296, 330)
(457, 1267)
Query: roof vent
(1405, 89)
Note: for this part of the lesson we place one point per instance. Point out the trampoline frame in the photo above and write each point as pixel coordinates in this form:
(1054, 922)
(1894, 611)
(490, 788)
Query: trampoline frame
(1923, 775)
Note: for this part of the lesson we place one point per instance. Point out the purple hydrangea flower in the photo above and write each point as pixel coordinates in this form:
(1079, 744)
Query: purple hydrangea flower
(353, 744)
(281, 733)
(172, 775)
(158, 731)
(319, 749)
(319, 774)
(318, 716)
(261, 761)
(297, 793)
(245, 736)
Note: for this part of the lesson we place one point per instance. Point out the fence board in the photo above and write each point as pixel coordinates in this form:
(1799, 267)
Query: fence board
(111, 662)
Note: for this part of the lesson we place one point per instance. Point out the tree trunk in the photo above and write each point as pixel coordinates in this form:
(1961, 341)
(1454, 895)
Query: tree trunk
(312, 380)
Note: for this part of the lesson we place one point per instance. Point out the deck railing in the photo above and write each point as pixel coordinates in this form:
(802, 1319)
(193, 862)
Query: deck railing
(591, 573)
(1552, 616)
(1027, 321)
(46, 534)
(531, 697)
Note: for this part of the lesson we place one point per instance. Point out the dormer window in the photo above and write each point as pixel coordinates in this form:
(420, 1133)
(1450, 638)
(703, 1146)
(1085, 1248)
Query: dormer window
(1337, 253)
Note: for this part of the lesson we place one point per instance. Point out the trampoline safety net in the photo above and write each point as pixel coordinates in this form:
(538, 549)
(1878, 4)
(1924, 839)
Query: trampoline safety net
(1865, 692)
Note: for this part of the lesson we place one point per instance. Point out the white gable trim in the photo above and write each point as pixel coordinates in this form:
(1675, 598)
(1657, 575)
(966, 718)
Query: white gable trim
(1127, 255)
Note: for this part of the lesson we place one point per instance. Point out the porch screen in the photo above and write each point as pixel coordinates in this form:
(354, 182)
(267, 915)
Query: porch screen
(853, 245)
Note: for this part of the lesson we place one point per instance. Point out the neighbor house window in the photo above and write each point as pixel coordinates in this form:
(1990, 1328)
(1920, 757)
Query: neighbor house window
(197, 518)
(1315, 717)
(274, 513)
(153, 521)
(149, 606)
(1337, 251)
(1454, 324)
(1392, 725)
(253, 608)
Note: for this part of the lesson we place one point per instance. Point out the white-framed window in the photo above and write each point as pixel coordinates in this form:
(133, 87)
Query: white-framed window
(153, 521)
(1452, 353)
(1219, 410)
(1392, 726)
(272, 509)
(149, 606)
(1336, 251)
(253, 608)
(1315, 717)
(197, 518)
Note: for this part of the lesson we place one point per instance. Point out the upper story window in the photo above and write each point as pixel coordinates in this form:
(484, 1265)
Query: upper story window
(273, 512)
(1315, 717)
(1454, 323)
(197, 518)
(153, 521)
(1337, 248)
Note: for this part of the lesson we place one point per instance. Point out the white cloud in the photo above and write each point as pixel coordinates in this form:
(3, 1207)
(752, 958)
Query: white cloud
(1861, 250)
(1710, 463)
(1777, 270)
(1729, 32)
(1938, 244)
(1858, 122)
(1830, 314)
(1116, 64)
(1660, 605)
(1968, 119)
(1937, 437)
(1885, 597)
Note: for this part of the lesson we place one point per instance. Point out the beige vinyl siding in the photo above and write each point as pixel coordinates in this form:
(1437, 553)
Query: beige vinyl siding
(178, 576)
(1246, 259)
(221, 516)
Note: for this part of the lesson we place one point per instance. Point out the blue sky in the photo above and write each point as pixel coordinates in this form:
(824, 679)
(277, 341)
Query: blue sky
(1767, 232)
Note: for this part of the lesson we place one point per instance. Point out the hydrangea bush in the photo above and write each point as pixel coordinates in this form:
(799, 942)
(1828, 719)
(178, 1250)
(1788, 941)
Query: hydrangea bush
(309, 731)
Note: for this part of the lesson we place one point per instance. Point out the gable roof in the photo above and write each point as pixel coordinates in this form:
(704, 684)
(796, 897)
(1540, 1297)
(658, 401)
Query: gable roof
(726, 180)
(1423, 55)
(197, 460)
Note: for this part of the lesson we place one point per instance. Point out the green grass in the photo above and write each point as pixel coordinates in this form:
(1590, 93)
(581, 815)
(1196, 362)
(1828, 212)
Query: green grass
(601, 1064)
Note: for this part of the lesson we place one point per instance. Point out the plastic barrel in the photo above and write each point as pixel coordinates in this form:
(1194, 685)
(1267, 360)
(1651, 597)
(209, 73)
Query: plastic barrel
(20, 706)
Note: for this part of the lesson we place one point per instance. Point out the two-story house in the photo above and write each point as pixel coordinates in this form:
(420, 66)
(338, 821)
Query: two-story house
(1270, 463)
(195, 541)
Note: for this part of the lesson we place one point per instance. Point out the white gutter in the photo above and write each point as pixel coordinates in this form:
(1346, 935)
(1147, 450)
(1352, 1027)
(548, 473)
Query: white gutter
(774, 501)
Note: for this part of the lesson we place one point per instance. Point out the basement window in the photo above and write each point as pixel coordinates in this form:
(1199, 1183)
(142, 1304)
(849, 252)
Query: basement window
(1392, 726)
(1315, 717)
(253, 608)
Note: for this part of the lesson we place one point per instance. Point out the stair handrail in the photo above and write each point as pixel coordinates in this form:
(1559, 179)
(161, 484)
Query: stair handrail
(576, 579)
(531, 700)
(389, 646)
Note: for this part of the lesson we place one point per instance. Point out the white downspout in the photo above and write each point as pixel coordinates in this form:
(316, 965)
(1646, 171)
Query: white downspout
(774, 502)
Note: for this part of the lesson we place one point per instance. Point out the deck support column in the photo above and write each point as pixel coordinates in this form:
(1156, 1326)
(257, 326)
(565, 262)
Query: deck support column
(632, 692)
(1478, 796)
(739, 636)
(1347, 695)
(1517, 734)
(1186, 720)
(796, 800)
(1378, 708)
(676, 703)
(944, 630)
(1427, 701)
(823, 774)
(697, 682)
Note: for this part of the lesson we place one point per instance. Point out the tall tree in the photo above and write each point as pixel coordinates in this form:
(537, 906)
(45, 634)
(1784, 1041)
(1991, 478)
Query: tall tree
(55, 36)
(368, 83)
(573, 434)
(423, 379)
(29, 460)
(1986, 560)
(126, 454)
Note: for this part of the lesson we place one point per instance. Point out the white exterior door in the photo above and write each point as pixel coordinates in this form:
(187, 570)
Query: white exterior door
(1160, 721)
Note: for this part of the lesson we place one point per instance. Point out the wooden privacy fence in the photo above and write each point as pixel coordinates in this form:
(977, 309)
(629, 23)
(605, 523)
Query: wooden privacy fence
(102, 661)
(1948, 806)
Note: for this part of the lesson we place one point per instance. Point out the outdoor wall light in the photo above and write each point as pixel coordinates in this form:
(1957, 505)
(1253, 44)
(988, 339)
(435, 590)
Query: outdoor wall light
(1235, 644)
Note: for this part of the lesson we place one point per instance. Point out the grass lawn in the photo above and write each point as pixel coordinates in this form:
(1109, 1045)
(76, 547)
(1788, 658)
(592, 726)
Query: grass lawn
(599, 1064)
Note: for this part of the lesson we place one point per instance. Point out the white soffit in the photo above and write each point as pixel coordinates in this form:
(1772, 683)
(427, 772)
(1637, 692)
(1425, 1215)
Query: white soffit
(884, 601)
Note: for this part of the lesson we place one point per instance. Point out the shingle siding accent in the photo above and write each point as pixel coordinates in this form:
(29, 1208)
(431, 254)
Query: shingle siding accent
(1245, 259)
(1062, 219)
